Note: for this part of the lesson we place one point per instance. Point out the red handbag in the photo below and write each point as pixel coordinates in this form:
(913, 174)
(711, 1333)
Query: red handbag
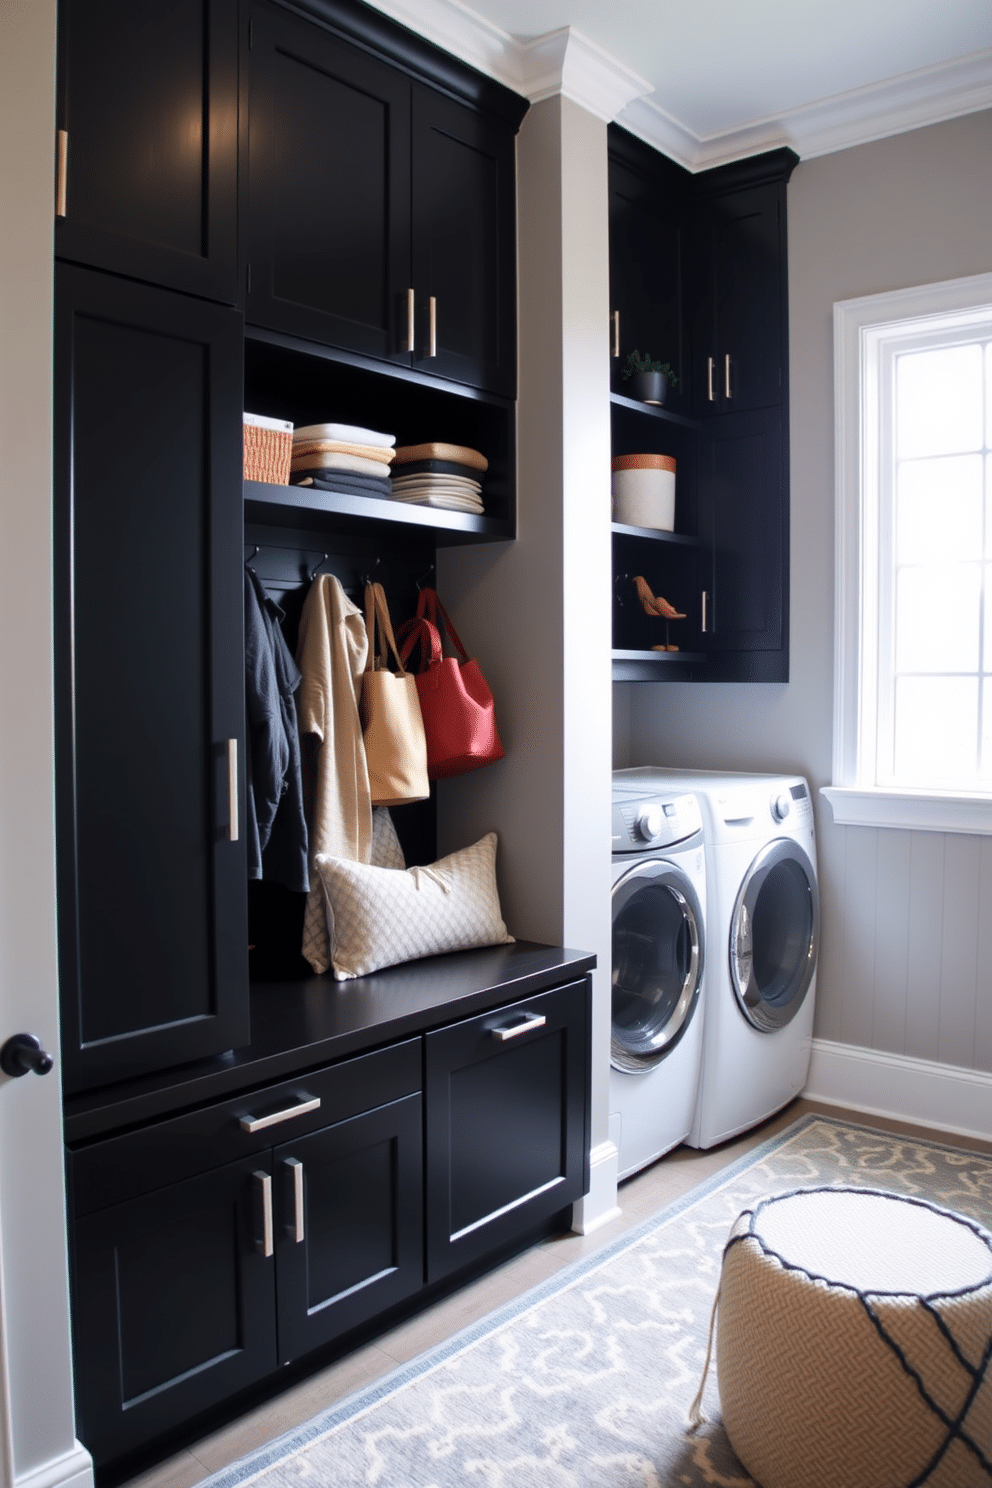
(455, 701)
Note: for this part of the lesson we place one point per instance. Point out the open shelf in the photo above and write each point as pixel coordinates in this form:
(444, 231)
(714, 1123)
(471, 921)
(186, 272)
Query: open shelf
(650, 666)
(345, 511)
(634, 405)
(654, 534)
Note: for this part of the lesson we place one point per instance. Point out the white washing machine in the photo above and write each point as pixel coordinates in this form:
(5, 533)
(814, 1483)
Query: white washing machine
(763, 925)
(659, 900)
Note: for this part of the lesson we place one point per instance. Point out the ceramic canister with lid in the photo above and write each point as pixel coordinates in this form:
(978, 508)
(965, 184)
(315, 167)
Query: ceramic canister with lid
(644, 491)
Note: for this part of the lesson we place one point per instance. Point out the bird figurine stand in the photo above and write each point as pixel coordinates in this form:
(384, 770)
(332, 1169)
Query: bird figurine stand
(658, 608)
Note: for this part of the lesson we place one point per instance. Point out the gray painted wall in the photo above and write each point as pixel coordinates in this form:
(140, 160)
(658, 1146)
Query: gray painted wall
(906, 964)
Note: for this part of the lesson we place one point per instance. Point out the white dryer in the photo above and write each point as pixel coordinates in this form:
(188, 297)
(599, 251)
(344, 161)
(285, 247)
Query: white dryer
(659, 899)
(763, 923)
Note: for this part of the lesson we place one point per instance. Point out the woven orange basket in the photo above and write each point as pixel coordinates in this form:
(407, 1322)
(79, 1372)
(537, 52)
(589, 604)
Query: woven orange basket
(268, 449)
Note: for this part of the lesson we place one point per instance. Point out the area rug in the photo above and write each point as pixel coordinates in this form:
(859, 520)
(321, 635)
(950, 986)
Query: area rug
(586, 1381)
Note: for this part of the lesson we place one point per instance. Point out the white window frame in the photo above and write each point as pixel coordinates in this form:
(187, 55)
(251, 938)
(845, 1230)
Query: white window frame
(865, 330)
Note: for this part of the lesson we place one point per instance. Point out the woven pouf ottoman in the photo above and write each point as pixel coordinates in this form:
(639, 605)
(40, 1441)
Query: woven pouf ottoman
(854, 1335)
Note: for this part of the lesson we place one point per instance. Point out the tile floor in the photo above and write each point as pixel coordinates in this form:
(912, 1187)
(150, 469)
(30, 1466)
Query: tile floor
(640, 1197)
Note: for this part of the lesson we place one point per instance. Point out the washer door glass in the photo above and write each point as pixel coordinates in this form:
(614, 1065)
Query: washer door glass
(774, 935)
(657, 963)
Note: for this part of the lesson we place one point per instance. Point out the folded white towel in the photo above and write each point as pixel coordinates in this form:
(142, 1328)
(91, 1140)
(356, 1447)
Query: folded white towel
(348, 433)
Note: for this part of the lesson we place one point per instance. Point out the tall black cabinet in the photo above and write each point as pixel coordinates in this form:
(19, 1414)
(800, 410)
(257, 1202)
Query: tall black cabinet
(259, 1162)
(698, 277)
(150, 696)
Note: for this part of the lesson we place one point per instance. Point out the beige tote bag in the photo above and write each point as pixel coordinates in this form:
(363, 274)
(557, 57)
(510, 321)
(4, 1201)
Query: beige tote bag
(392, 726)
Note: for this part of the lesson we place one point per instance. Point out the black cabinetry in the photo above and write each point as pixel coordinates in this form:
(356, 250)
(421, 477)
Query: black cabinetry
(150, 695)
(148, 142)
(381, 211)
(506, 1136)
(216, 1244)
(713, 300)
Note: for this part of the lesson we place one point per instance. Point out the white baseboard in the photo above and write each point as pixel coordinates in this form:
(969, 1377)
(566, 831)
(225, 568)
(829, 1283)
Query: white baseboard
(599, 1205)
(943, 1096)
(73, 1470)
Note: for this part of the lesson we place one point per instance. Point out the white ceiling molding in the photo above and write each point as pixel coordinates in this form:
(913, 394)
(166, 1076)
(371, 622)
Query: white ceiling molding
(944, 91)
(569, 63)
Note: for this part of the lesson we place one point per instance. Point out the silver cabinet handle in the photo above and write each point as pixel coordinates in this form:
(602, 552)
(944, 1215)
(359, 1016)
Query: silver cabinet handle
(263, 1190)
(726, 376)
(532, 1021)
(61, 171)
(294, 1172)
(432, 329)
(709, 379)
(411, 306)
(232, 789)
(252, 1124)
(704, 627)
(616, 333)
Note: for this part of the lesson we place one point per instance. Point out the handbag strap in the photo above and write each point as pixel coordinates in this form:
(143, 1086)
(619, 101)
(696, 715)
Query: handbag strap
(428, 607)
(380, 632)
(420, 632)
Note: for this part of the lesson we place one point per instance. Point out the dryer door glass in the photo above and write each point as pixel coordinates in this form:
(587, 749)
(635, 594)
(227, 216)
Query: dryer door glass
(774, 935)
(657, 963)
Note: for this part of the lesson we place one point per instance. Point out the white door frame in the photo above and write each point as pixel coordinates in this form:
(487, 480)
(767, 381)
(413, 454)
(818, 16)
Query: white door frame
(38, 1448)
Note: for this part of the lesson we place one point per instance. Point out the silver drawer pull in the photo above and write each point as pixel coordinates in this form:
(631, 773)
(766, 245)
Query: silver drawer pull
(252, 1124)
(263, 1189)
(294, 1172)
(535, 1020)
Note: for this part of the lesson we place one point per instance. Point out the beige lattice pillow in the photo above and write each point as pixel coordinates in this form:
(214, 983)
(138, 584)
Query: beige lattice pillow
(380, 916)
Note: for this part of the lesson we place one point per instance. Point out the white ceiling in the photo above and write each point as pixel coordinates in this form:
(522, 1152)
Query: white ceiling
(712, 80)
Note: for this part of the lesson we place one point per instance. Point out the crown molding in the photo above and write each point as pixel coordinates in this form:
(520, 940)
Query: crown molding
(911, 101)
(569, 63)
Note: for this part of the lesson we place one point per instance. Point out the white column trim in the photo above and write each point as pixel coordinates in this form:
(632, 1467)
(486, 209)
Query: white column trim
(943, 1096)
(567, 62)
(599, 1205)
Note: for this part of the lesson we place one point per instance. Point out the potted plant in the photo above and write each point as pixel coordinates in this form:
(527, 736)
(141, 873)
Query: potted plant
(647, 380)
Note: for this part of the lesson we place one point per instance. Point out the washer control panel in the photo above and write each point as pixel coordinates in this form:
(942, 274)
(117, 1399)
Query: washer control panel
(640, 823)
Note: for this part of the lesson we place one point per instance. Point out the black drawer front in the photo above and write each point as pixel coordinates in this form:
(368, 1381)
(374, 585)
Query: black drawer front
(506, 1142)
(127, 1166)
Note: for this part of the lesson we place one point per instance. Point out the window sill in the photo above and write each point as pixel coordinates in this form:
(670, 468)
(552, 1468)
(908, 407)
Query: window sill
(914, 811)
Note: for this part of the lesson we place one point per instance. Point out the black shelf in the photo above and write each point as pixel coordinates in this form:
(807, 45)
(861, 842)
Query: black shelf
(650, 666)
(343, 511)
(634, 405)
(654, 534)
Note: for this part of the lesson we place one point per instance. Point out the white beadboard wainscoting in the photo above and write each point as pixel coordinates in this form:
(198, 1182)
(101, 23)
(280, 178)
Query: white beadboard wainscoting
(907, 945)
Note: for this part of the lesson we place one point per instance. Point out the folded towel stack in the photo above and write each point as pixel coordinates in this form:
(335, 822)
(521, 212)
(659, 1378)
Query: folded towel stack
(441, 475)
(342, 457)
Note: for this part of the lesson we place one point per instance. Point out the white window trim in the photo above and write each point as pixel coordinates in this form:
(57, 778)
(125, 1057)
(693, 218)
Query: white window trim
(856, 322)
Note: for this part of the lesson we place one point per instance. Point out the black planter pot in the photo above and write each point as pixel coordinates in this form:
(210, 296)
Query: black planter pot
(648, 387)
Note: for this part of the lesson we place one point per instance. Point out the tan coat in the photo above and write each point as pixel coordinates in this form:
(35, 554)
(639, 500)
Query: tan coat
(331, 655)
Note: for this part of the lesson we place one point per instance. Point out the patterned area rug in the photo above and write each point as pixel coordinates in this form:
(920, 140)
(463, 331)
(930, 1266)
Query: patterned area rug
(586, 1381)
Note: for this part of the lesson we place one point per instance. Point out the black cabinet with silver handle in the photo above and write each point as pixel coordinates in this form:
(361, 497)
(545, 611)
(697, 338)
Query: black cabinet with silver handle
(400, 246)
(212, 1247)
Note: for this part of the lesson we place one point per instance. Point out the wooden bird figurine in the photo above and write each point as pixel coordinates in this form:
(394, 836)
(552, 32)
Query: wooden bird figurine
(653, 604)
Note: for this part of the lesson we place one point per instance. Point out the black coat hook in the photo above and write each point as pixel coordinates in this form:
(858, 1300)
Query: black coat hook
(251, 560)
(319, 566)
(426, 578)
(367, 577)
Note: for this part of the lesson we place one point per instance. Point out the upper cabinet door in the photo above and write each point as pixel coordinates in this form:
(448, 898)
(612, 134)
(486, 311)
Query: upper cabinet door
(150, 677)
(464, 244)
(647, 226)
(148, 115)
(329, 189)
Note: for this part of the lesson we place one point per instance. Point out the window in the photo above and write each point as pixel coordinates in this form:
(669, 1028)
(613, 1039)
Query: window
(913, 635)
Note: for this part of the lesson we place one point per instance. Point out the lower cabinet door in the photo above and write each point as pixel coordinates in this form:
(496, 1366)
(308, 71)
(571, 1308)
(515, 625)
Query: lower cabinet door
(349, 1229)
(172, 1305)
(507, 1111)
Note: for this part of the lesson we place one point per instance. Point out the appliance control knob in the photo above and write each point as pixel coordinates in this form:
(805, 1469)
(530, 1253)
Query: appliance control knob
(650, 820)
(781, 806)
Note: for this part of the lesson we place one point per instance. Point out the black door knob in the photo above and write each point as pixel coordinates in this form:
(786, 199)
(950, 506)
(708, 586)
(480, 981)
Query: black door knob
(23, 1052)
